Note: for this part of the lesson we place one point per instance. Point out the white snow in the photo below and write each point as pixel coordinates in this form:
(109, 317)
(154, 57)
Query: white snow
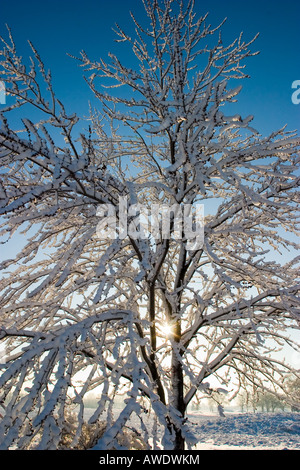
(240, 431)
(247, 431)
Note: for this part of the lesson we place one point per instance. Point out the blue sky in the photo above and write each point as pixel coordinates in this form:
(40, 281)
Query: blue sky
(59, 27)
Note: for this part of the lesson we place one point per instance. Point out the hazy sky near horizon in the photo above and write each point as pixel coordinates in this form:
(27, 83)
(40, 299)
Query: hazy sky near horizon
(60, 27)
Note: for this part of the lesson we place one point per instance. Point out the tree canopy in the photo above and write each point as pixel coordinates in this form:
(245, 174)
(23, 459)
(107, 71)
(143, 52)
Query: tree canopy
(145, 316)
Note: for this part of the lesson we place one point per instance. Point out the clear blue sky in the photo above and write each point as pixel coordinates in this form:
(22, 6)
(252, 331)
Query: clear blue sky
(62, 26)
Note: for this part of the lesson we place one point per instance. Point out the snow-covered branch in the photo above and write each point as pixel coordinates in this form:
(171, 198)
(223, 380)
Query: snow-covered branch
(141, 315)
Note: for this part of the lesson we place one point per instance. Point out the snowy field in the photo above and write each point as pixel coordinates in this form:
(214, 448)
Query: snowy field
(244, 431)
(247, 431)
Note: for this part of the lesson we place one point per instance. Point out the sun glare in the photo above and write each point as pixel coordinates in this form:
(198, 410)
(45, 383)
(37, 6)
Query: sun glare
(166, 329)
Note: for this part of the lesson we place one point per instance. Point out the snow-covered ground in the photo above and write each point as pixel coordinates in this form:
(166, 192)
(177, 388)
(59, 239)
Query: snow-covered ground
(247, 431)
(243, 431)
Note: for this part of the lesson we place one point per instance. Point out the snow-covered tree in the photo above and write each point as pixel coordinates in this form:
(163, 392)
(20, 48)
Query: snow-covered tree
(147, 316)
(293, 397)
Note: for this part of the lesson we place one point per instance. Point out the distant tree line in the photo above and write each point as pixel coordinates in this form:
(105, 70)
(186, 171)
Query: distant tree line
(255, 400)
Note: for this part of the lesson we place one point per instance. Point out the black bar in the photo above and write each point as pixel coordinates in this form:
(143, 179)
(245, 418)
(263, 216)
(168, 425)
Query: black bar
(94, 459)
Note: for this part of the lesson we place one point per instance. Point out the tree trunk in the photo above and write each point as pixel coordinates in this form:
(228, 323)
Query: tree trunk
(177, 386)
(179, 440)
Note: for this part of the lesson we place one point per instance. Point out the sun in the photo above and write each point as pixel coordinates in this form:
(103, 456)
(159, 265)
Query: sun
(166, 329)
